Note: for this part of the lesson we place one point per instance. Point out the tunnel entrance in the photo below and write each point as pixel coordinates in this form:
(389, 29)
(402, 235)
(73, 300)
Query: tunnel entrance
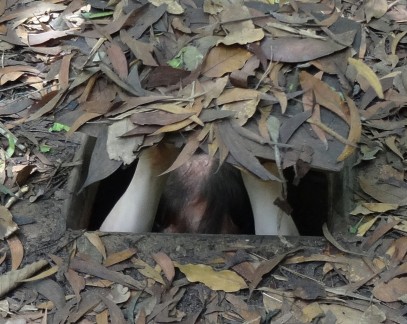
(309, 199)
(318, 198)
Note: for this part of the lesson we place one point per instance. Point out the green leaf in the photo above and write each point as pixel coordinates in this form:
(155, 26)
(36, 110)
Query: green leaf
(95, 15)
(45, 148)
(11, 145)
(58, 127)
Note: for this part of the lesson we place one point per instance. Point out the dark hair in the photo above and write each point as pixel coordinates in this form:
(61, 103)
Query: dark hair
(218, 190)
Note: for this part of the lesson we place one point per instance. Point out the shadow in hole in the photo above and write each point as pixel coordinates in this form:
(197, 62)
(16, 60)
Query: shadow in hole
(309, 200)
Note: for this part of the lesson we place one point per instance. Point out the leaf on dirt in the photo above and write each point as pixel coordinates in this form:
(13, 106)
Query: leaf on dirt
(166, 264)
(95, 269)
(398, 250)
(50, 290)
(391, 143)
(51, 271)
(225, 280)
(367, 73)
(16, 251)
(116, 315)
(324, 95)
(213, 89)
(48, 107)
(239, 32)
(40, 38)
(292, 124)
(355, 131)
(374, 208)
(143, 51)
(266, 267)
(158, 118)
(172, 6)
(119, 257)
(81, 120)
(172, 76)
(148, 271)
(96, 242)
(392, 291)
(76, 281)
(222, 59)
(379, 232)
(242, 101)
(375, 9)
(311, 312)
(228, 136)
(366, 226)
(118, 59)
(295, 50)
(383, 192)
(12, 279)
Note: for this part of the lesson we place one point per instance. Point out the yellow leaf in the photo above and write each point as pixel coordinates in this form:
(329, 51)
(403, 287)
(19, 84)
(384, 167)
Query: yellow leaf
(380, 207)
(97, 243)
(119, 257)
(368, 74)
(147, 271)
(225, 280)
(362, 229)
(355, 131)
(43, 274)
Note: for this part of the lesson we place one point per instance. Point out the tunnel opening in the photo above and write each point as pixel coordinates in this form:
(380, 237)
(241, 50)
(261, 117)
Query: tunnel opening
(309, 199)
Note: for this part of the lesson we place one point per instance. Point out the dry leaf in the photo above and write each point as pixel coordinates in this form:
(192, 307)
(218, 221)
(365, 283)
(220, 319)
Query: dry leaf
(16, 250)
(222, 59)
(391, 291)
(355, 131)
(166, 264)
(146, 270)
(7, 226)
(97, 243)
(12, 279)
(51, 271)
(367, 73)
(119, 257)
(225, 280)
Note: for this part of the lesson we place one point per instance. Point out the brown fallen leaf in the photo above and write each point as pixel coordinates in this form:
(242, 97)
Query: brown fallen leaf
(16, 250)
(96, 241)
(222, 59)
(7, 226)
(12, 279)
(166, 264)
(119, 257)
(391, 291)
(378, 233)
(355, 131)
(146, 270)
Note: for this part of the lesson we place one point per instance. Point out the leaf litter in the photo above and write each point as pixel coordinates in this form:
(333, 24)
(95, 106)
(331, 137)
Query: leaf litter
(230, 69)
